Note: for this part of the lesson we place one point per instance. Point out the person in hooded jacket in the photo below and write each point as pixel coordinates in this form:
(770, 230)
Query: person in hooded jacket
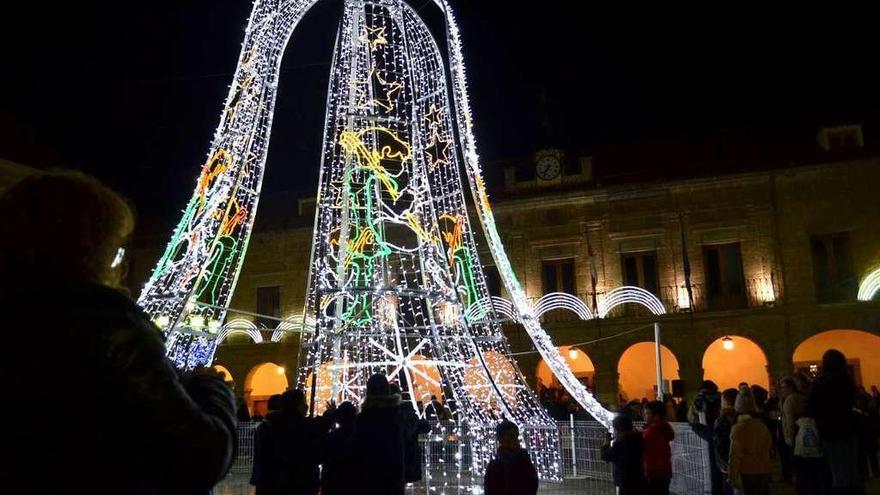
(336, 460)
(511, 472)
(376, 444)
(625, 455)
(131, 423)
(751, 445)
(658, 454)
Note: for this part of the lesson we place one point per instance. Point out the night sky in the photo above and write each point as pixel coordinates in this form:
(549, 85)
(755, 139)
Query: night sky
(132, 91)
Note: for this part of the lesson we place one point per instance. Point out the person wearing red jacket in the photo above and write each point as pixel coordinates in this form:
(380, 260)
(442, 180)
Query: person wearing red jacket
(511, 472)
(657, 452)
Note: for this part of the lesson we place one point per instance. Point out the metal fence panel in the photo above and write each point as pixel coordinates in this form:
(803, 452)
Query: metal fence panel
(453, 463)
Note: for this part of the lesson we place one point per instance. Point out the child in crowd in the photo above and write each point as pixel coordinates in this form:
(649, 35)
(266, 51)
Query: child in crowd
(625, 456)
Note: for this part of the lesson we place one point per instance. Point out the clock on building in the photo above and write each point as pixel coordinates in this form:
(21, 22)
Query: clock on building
(548, 166)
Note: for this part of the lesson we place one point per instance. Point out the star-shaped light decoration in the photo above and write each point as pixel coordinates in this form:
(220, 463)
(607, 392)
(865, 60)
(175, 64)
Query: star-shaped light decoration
(373, 36)
(437, 151)
(434, 116)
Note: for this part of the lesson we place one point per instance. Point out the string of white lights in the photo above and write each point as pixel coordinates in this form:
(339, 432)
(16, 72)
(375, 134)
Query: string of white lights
(562, 300)
(630, 295)
(870, 286)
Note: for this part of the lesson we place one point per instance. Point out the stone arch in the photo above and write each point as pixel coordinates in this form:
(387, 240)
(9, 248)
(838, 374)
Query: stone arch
(861, 349)
(739, 359)
(579, 362)
(263, 381)
(227, 375)
(637, 370)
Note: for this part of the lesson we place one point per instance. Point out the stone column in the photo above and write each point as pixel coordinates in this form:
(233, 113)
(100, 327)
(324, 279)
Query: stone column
(606, 387)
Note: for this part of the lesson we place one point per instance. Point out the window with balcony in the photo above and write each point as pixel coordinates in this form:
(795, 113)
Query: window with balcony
(559, 276)
(268, 304)
(725, 284)
(640, 270)
(832, 268)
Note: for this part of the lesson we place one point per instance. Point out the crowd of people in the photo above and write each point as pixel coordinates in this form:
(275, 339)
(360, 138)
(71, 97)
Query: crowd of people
(343, 451)
(820, 434)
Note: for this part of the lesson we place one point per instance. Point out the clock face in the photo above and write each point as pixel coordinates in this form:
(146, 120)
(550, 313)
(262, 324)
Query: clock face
(548, 168)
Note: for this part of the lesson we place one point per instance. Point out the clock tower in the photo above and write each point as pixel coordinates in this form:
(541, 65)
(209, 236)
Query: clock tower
(548, 166)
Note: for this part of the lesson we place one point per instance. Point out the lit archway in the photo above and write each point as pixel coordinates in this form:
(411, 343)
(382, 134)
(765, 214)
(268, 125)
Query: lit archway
(263, 381)
(730, 360)
(227, 376)
(637, 370)
(579, 362)
(860, 348)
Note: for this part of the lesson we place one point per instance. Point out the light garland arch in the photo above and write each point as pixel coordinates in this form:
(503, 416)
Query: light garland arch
(631, 294)
(562, 300)
(240, 327)
(870, 286)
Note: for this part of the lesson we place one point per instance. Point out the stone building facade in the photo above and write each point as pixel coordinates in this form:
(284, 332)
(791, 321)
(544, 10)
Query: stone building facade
(775, 258)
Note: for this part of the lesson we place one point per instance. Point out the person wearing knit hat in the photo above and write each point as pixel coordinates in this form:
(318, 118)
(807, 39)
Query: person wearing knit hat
(750, 447)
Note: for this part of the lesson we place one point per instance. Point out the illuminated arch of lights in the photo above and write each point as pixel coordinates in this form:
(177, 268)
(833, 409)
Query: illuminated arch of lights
(239, 327)
(630, 295)
(293, 324)
(482, 308)
(562, 300)
(870, 286)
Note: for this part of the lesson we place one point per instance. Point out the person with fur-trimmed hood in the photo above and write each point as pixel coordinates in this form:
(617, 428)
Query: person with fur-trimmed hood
(377, 445)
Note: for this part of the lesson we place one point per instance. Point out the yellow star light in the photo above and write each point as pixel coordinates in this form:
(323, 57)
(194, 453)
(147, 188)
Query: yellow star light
(374, 37)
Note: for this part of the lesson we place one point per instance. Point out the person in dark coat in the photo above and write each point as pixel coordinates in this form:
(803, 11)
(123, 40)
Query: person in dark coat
(336, 476)
(266, 464)
(511, 472)
(721, 435)
(625, 456)
(413, 426)
(377, 442)
(125, 420)
(832, 399)
(293, 448)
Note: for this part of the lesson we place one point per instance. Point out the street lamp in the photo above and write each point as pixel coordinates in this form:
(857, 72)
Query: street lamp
(727, 343)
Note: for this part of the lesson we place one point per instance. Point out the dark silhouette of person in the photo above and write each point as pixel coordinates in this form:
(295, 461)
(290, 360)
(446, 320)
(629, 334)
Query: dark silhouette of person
(377, 442)
(832, 399)
(435, 410)
(511, 472)
(625, 456)
(266, 464)
(290, 448)
(243, 414)
(123, 419)
(336, 471)
(412, 427)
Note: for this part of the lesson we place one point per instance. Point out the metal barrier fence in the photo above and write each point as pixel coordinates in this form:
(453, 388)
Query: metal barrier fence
(450, 459)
